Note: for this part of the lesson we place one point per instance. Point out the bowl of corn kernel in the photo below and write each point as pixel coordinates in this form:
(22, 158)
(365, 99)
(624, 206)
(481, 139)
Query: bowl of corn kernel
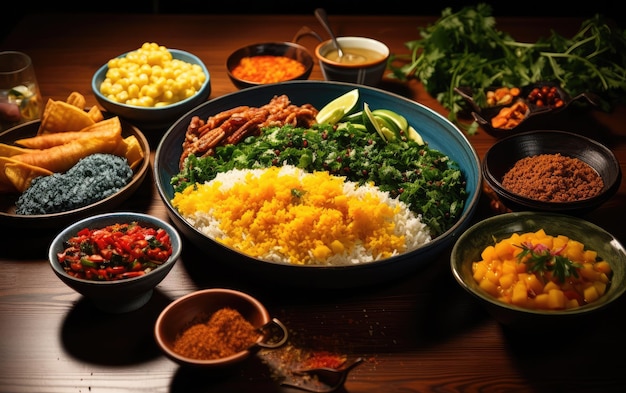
(538, 271)
(152, 86)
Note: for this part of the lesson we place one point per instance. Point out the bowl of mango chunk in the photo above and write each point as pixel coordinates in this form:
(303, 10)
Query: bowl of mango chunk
(540, 271)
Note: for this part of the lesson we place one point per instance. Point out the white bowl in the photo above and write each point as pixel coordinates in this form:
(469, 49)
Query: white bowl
(367, 72)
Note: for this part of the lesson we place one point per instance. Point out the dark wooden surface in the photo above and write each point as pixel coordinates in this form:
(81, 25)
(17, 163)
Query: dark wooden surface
(418, 334)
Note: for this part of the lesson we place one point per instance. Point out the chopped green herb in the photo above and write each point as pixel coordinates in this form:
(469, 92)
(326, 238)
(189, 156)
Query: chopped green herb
(539, 259)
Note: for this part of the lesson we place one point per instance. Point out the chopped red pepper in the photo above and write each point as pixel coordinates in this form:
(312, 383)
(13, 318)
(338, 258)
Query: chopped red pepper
(115, 252)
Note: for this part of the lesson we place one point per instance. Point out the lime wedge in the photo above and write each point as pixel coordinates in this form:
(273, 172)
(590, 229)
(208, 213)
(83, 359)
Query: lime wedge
(415, 136)
(20, 91)
(331, 117)
(371, 122)
(400, 121)
(354, 118)
(389, 128)
(336, 109)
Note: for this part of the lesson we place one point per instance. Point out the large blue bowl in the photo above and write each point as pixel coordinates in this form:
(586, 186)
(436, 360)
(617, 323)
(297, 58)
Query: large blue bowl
(435, 129)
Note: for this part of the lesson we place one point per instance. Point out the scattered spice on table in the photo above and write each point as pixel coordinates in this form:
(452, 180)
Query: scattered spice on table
(225, 333)
(286, 362)
(553, 178)
(268, 69)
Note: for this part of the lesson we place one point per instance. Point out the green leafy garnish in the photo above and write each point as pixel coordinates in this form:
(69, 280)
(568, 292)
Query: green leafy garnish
(297, 193)
(539, 259)
(464, 49)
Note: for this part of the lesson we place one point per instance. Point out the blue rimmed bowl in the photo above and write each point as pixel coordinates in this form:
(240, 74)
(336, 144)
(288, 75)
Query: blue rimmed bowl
(439, 133)
(153, 118)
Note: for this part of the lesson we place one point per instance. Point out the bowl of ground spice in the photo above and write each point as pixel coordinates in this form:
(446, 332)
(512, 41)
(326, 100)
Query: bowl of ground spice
(216, 327)
(551, 171)
(268, 62)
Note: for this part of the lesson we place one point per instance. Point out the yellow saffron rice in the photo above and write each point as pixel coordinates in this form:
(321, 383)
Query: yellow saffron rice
(284, 214)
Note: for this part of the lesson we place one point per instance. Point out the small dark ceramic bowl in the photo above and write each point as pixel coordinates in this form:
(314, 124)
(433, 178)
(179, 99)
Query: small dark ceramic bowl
(288, 49)
(122, 295)
(503, 155)
(197, 307)
(153, 118)
(472, 242)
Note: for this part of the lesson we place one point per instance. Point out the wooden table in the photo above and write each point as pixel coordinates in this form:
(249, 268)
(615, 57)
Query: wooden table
(421, 333)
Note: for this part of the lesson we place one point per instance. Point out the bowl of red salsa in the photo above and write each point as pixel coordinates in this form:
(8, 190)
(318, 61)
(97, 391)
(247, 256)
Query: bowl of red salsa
(268, 62)
(116, 259)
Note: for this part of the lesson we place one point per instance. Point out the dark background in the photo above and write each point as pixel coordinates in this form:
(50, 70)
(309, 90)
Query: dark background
(11, 14)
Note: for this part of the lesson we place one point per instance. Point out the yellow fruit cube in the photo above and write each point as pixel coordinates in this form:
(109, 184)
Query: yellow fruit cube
(489, 287)
(507, 280)
(556, 299)
(520, 294)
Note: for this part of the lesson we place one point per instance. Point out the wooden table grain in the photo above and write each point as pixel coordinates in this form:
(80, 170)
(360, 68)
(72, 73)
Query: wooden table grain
(421, 333)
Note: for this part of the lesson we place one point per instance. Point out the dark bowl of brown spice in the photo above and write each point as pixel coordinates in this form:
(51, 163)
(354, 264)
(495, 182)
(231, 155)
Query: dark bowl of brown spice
(216, 327)
(551, 171)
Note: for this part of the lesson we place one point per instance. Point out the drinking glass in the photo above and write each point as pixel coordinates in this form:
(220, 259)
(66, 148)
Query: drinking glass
(19, 91)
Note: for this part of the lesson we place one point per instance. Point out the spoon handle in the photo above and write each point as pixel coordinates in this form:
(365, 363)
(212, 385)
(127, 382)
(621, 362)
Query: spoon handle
(321, 15)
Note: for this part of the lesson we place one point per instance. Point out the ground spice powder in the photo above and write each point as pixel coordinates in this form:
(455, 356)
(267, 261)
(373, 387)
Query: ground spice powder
(553, 178)
(226, 333)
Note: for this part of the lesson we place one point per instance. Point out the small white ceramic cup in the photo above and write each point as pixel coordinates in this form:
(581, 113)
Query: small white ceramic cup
(20, 98)
(368, 70)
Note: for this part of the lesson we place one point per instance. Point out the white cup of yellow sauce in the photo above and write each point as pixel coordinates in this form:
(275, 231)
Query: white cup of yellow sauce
(364, 60)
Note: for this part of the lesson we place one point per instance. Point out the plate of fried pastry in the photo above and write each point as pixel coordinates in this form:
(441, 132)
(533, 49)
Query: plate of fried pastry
(74, 162)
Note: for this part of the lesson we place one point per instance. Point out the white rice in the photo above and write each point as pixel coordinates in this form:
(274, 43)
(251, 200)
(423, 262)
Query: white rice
(406, 222)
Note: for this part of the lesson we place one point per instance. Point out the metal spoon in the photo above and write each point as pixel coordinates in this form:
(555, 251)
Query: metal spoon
(278, 338)
(321, 15)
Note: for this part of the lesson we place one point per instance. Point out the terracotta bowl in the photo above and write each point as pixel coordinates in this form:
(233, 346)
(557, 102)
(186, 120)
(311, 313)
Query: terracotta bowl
(197, 307)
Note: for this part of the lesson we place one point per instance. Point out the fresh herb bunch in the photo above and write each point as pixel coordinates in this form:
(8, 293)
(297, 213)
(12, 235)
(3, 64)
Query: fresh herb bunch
(541, 260)
(464, 49)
